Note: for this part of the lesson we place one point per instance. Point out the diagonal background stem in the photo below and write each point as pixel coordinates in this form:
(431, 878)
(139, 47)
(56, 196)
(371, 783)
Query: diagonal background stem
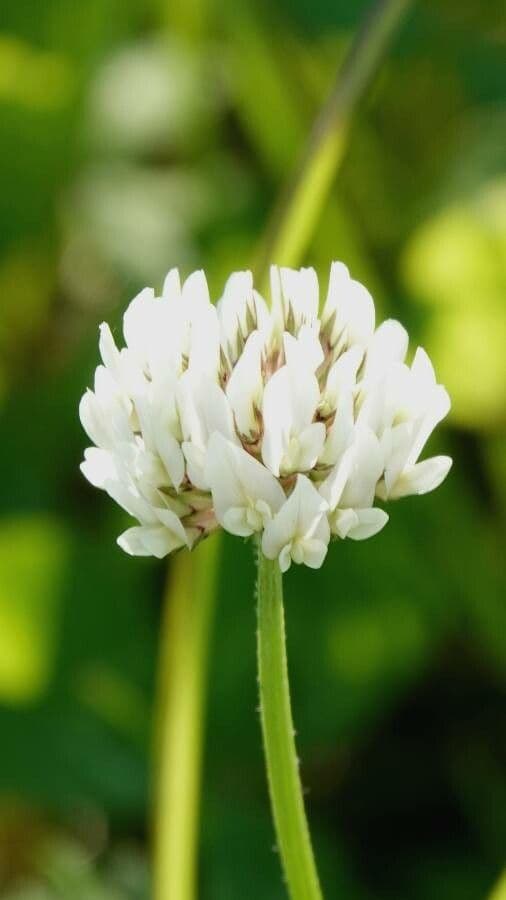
(499, 890)
(295, 217)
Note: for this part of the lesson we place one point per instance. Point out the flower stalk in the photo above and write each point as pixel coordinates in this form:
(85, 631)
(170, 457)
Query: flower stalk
(285, 789)
(186, 626)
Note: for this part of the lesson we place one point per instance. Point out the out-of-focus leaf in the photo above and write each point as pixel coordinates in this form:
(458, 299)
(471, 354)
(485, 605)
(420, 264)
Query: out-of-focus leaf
(34, 79)
(33, 552)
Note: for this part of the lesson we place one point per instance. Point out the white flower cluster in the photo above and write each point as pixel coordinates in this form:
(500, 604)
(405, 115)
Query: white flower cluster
(260, 419)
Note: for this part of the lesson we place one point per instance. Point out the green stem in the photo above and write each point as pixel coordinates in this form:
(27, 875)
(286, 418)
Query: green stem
(278, 733)
(185, 638)
(297, 213)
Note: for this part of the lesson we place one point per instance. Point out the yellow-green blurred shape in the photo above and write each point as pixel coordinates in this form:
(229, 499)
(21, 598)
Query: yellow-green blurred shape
(34, 79)
(456, 264)
(188, 18)
(33, 552)
(468, 350)
(499, 892)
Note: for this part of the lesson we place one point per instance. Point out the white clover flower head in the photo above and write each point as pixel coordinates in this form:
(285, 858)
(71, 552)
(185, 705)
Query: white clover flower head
(269, 420)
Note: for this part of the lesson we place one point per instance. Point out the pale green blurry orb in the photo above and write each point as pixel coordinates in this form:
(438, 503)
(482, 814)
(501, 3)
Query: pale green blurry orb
(152, 95)
(455, 264)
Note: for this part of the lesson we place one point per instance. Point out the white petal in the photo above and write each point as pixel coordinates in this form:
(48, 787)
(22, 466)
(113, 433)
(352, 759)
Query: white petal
(314, 552)
(422, 369)
(98, 466)
(131, 541)
(349, 306)
(278, 311)
(370, 521)
(157, 331)
(423, 477)
(172, 287)
(238, 481)
(170, 453)
(204, 352)
(149, 541)
(343, 520)
(109, 352)
(421, 407)
(304, 350)
(195, 294)
(235, 308)
(333, 486)
(300, 292)
(131, 501)
(92, 420)
(104, 413)
(439, 408)
(149, 475)
(290, 400)
(277, 418)
(310, 443)
(173, 524)
(366, 468)
(340, 434)
(396, 443)
(195, 457)
(285, 558)
(235, 521)
(245, 385)
(284, 526)
(388, 344)
(203, 408)
(159, 421)
(341, 377)
(302, 516)
(139, 323)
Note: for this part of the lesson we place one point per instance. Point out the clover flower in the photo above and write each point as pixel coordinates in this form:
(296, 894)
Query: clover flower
(260, 419)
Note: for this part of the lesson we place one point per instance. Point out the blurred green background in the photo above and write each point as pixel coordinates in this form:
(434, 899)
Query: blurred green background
(136, 136)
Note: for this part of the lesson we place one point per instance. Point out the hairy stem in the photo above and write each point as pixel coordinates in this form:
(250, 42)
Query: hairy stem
(278, 733)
